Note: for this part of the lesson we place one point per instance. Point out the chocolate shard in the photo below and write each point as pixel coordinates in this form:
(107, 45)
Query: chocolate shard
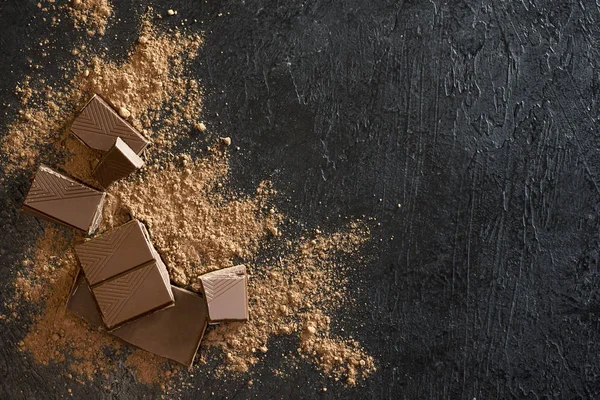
(98, 126)
(174, 333)
(117, 163)
(226, 292)
(127, 277)
(58, 198)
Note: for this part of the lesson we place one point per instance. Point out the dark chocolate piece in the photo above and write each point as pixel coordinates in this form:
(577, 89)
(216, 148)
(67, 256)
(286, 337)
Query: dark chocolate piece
(127, 276)
(58, 198)
(173, 333)
(98, 126)
(226, 292)
(117, 163)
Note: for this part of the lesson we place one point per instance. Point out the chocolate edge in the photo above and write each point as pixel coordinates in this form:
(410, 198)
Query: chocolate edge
(152, 311)
(97, 219)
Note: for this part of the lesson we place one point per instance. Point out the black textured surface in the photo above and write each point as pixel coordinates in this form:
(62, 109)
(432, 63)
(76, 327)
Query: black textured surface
(480, 118)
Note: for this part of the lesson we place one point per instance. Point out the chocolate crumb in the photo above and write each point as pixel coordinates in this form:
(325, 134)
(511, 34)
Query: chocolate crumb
(123, 112)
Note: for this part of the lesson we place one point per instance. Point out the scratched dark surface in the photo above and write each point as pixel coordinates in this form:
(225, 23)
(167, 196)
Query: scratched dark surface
(480, 118)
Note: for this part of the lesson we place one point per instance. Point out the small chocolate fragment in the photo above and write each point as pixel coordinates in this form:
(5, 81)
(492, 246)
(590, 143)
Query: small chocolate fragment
(226, 292)
(173, 333)
(98, 126)
(58, 198)
(127, 276)
(117, 163)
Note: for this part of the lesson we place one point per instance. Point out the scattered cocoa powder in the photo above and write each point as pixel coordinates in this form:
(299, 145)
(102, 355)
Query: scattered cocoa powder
(197, 221)
(39, 270)
(196, 225)
(91, 15)
(56, 331)
(149, 368)
(295, 295)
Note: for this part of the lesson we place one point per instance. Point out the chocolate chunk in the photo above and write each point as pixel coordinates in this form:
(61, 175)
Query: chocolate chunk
(58, 198)
(173, 333)
(226, 292)
(82, 303)
(127, 276)
(98, 126)
(117, 163)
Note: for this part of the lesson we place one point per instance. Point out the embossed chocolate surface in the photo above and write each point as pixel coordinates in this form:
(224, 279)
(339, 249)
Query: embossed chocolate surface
(58, 198)
(133, 294)
(127, 276)
(115, 252)
(174, 333)
(226, 292)
(117, 163)
(98, 126)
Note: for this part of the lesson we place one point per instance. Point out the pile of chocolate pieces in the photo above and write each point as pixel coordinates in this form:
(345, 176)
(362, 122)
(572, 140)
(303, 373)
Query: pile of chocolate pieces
(123, 285)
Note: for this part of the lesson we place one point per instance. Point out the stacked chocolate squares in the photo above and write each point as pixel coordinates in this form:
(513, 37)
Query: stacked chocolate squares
(123, 284)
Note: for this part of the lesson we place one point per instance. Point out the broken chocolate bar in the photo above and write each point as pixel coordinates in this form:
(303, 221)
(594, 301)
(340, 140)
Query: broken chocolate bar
(127, 276)
(98, 126)
(174, 333)
(58, 198)
(117, 163)
(226, 292)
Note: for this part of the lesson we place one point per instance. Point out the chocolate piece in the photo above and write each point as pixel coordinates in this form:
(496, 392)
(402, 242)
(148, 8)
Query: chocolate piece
(117, 163)
(98, 126)
(173, 333)
(58, 198)
(226, 292)
(127, 276)
(82, 303)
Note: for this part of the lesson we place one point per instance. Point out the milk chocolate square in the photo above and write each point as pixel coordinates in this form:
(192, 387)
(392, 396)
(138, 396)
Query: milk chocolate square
(117, 163)
(98, 126)
(127, 276)
(173, 333)
(226, 292)
(58, 198)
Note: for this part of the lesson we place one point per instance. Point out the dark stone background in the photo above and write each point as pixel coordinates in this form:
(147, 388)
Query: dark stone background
(479, 117)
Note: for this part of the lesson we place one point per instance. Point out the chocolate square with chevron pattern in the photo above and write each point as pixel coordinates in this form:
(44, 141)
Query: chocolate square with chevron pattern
(98, 126)
(58, 198)
(126, 274)
(117, 163)
(226, 292)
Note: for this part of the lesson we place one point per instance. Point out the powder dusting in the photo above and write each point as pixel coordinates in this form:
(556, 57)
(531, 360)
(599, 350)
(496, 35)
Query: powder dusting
(197, 222)
(151, 85)
(57, 332)
(91, 15)
(149, 368)
(39, 270)
(295, 295)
